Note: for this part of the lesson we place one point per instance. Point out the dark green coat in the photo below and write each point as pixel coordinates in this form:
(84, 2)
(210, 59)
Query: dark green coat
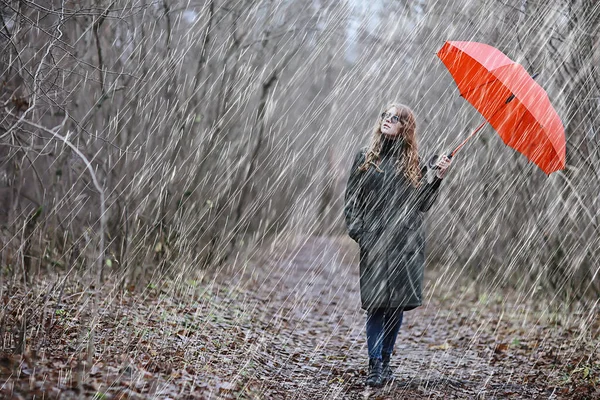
(384, 215)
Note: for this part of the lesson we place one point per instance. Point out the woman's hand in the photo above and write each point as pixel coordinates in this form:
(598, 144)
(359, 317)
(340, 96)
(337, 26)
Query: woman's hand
(442, 164)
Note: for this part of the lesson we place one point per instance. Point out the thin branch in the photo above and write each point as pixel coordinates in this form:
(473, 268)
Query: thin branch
(90, 168)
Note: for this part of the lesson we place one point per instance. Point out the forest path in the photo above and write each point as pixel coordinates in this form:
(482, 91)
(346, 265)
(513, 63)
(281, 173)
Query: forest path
(288, 325)
(316, 344)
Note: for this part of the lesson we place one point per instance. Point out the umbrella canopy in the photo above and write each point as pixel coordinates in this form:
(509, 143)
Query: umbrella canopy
(509, 99)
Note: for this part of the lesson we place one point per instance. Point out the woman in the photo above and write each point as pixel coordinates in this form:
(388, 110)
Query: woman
(387, 193)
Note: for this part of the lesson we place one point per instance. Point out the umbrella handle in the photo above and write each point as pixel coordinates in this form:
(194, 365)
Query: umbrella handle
(449, 155)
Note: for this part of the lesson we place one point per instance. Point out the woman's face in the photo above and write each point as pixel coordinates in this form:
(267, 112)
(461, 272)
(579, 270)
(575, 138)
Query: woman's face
(390, 126)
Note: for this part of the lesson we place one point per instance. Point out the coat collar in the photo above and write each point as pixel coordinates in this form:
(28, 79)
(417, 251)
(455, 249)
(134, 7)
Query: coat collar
(389, 146)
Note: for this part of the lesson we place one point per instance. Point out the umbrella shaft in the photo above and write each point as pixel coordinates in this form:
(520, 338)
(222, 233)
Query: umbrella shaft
(467, 139)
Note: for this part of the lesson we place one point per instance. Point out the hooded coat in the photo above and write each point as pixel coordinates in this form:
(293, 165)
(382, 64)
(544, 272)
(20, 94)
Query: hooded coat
(384, 215)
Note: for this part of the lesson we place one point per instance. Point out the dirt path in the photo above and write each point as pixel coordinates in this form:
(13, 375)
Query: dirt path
(451, 347)
(289, 326)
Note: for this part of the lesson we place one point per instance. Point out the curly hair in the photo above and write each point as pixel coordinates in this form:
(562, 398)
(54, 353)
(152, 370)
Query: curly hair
(407, 158)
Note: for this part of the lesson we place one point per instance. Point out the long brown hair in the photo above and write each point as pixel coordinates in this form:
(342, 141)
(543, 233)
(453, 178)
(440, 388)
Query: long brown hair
(407, 161)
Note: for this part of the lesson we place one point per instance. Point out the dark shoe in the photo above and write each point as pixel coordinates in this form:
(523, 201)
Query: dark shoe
(386, 371)
(374, 376)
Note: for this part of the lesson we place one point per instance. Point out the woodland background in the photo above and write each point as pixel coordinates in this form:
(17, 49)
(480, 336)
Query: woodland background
(144, 136)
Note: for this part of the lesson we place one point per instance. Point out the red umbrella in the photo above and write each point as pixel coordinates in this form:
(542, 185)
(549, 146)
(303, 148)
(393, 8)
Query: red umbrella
(509, 99)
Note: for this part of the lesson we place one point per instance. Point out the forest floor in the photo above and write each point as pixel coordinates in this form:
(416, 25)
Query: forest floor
(287, 326)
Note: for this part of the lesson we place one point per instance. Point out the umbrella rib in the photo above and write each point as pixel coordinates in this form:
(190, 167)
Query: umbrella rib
(520, 122)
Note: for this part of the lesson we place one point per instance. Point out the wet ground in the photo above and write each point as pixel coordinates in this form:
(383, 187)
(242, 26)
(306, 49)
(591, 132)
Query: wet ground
(289, 325)
(447, 348)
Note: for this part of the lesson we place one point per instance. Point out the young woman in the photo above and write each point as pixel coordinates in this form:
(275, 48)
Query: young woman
(387, 193)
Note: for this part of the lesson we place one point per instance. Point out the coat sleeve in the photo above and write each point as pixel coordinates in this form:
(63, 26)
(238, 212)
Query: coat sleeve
(430, 185)
(353, 209)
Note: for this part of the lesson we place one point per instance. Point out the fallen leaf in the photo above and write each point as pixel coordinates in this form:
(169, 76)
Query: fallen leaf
(443, 346)
(500, 347)
(226, 386)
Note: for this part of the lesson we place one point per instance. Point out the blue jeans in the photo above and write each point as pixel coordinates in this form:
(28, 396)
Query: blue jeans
(383, 326)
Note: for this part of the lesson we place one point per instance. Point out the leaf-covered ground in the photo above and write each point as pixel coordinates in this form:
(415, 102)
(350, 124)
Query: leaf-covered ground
(287, 325)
